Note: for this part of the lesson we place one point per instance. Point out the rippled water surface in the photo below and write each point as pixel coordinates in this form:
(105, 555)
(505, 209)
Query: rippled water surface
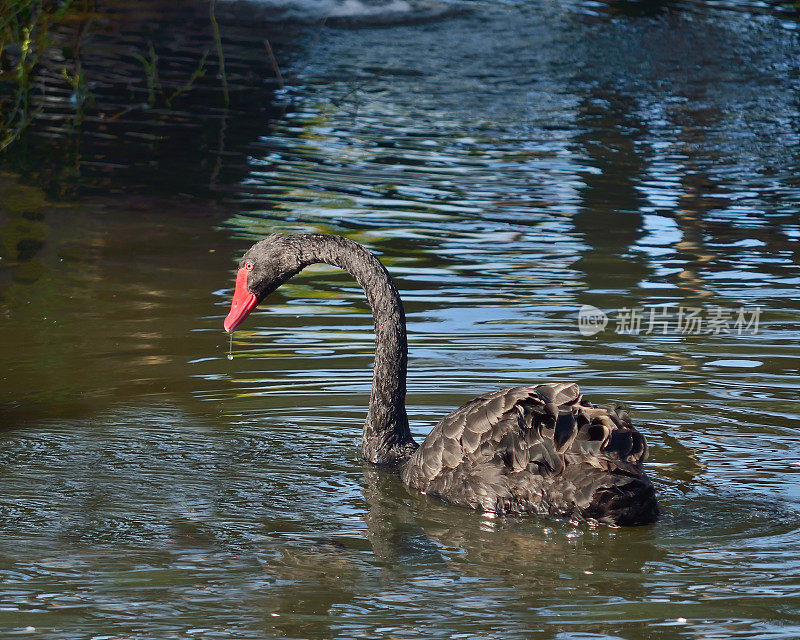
(510, 163)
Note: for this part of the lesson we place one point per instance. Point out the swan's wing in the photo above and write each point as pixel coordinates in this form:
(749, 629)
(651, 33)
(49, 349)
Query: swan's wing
(504, 451)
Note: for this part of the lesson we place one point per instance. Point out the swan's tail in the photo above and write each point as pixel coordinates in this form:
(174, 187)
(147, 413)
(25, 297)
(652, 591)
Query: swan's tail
(627, 501)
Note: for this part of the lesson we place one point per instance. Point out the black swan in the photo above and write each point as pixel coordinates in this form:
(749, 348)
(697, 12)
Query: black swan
(533, 449)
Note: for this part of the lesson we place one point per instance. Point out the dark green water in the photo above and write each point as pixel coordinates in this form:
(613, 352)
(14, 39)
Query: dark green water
(510, 165)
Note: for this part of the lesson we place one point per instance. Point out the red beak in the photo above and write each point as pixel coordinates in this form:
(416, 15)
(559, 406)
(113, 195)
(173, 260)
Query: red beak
(242, 304)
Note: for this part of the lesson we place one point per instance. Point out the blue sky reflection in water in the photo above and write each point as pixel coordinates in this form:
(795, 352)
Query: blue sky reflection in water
(510, 164)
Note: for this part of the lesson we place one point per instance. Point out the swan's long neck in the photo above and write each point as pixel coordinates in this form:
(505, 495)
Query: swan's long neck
(386, 438)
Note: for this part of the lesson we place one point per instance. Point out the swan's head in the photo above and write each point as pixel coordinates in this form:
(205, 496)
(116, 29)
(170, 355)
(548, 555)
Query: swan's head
(263, 268)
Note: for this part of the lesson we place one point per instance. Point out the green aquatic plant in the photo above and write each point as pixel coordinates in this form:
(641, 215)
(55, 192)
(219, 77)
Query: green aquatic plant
(155, 89)
(212, 14)
(48, 35)
(26, 33)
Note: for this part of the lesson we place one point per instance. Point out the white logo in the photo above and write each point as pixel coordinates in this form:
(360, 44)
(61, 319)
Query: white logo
(662, 320)
(591, 320)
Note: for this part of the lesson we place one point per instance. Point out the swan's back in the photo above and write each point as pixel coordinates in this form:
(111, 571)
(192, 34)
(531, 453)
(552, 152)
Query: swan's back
(539, 449)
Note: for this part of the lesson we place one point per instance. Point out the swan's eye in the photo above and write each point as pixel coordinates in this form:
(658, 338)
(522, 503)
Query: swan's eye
(248, 266)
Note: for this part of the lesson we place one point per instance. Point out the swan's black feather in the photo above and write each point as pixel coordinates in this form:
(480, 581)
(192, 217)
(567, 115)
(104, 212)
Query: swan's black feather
(540, 449)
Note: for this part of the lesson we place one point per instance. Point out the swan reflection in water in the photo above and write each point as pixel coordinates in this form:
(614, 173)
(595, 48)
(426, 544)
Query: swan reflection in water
(408, 539)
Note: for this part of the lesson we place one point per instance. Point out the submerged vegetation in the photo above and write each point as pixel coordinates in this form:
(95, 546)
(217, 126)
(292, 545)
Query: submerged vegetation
(26, 35)
(41, 54)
